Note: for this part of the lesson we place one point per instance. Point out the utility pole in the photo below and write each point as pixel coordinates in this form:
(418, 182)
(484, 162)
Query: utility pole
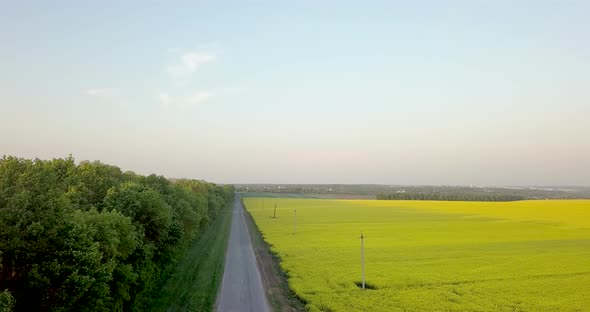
(275, 213)
(363, 257)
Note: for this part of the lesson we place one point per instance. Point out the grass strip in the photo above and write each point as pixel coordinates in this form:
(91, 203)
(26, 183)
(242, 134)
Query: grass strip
(195, 282)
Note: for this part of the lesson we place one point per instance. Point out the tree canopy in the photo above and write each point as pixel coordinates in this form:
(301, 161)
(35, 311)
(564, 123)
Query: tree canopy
(90, 237)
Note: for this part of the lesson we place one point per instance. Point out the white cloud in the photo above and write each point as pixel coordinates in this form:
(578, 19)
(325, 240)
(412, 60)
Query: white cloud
(101, 92)
(195, 99)
(198, 98)
(189, 63)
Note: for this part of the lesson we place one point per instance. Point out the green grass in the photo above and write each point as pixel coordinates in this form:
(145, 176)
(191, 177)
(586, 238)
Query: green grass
(433, 256)
(195, 282)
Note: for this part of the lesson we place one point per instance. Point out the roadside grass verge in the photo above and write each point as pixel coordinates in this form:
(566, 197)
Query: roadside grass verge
(195, 282)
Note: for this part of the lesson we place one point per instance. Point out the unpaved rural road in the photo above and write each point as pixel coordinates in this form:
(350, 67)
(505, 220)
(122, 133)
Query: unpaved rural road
(241, 288)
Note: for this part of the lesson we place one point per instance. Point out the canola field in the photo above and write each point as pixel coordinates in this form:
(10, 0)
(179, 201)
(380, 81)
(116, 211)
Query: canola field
(432, 256)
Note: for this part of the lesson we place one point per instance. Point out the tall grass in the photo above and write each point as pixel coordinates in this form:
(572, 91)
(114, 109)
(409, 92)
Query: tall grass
(195, 282)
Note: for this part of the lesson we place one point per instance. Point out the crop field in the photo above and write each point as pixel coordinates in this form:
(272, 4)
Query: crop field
(432, 256)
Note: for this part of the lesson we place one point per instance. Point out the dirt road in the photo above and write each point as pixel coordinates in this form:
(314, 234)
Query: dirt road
(241, 288)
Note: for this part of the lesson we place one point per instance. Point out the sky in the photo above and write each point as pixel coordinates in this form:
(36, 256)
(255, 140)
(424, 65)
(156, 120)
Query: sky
(391, 92)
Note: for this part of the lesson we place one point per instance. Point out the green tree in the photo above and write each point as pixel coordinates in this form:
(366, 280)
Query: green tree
(88, 237)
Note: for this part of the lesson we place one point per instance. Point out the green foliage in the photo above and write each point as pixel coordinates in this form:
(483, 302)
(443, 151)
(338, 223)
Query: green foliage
(146, 207)
(194, 284)
(6, 301)
(90, 182)
(89, 237)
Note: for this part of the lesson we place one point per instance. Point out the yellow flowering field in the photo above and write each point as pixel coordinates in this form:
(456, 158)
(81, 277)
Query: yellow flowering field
(432, 256)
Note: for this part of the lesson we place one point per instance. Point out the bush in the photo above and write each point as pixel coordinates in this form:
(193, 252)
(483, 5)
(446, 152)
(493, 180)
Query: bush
(6, 301)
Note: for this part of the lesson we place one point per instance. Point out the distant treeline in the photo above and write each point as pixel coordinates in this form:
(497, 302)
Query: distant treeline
(90, 237)
(442, 192)
(449, 197)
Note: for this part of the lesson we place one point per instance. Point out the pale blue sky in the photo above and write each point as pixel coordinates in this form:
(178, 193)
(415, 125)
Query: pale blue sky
(414, 92)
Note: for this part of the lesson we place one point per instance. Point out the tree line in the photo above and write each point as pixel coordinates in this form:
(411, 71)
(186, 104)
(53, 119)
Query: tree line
(90, 237)
(449, 196)
(441, 191)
